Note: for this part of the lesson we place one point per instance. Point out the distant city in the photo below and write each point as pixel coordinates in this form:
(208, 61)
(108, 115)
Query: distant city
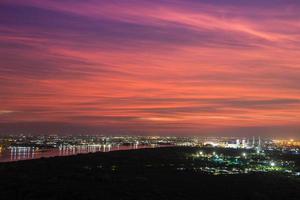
(255, 154)
(105, 143)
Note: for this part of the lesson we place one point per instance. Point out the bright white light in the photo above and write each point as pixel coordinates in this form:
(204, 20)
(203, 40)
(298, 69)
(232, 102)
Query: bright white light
(201, 153)
(272, 164)
(244, 154)
(214, 153)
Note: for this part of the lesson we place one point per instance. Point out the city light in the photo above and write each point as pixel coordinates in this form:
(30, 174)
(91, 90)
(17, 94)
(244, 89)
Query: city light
(272, 164)
(258, 158)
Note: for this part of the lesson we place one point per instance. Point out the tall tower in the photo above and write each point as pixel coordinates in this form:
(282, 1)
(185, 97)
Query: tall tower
(243, 143)
(253, 142)
(238, 143)
(258, 148)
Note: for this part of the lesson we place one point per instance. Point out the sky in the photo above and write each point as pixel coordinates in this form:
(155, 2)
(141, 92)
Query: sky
(159, 67)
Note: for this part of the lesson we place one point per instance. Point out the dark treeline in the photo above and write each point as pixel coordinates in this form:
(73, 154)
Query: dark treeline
(135, 174)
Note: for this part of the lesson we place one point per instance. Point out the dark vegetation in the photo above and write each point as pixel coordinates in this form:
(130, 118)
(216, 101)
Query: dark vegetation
(135, 174)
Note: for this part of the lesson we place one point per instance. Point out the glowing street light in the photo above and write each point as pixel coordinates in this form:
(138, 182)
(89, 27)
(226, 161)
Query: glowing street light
(272, 164)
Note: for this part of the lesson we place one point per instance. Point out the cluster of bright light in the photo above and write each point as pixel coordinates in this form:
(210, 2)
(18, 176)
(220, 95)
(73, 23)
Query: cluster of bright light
(272, 164)
(213, 156)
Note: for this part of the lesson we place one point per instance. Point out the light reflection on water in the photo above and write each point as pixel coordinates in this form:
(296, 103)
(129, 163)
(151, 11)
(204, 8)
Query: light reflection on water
(27, 153)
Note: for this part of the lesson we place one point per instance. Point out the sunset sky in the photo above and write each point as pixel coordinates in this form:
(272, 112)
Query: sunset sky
(158, 67)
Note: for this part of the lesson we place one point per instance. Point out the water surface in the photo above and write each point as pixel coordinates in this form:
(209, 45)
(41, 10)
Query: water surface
(27, 153)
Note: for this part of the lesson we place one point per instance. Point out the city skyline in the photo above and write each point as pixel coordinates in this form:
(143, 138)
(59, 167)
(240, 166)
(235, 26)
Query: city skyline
(157, 67)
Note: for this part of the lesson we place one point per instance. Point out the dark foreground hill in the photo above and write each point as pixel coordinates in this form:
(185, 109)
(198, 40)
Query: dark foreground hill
(136, 174)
